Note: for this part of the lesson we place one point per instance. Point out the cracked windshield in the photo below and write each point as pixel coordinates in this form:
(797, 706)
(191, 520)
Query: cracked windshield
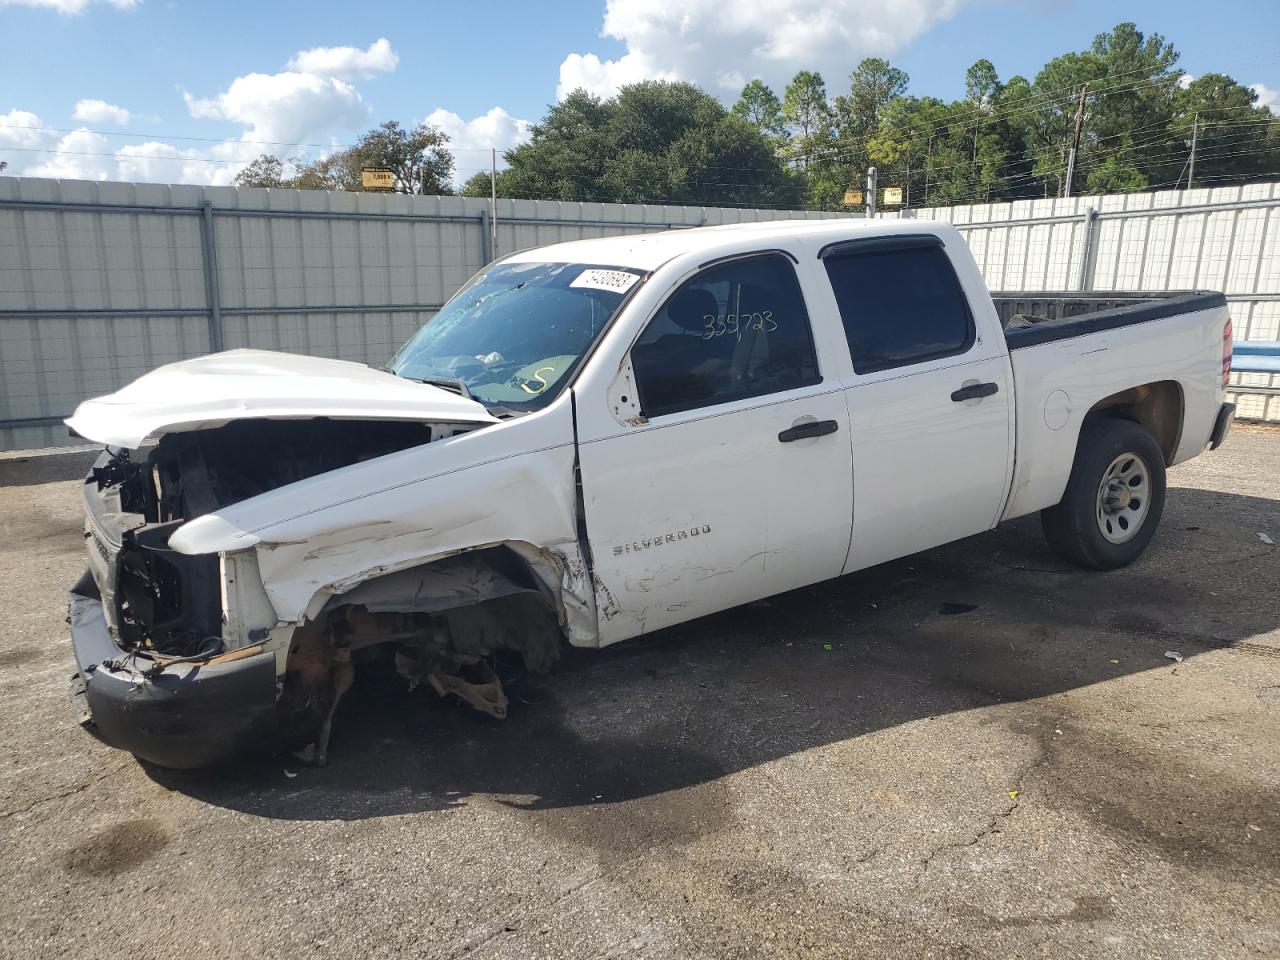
(514, 335)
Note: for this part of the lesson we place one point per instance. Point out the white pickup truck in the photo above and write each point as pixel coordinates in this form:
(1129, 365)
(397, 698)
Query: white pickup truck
(596, 440)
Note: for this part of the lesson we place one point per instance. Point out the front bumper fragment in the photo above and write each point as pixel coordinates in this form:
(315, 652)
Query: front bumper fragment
(183, 716)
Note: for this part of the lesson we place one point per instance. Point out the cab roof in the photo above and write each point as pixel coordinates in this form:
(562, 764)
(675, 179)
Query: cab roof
(649, 251)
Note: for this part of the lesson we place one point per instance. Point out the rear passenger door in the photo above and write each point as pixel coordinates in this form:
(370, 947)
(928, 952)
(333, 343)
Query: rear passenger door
(930, 400)
(735, 483)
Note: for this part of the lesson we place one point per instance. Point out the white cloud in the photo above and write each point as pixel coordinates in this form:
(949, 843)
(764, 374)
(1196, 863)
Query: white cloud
(22, 130)
(471, 140)
(605, 77)
(1267, 97)
(347, 63)
(69, 6)
(283, 108)
(720, 45)
(155, 162)
(99, 111)
(280, 113)
(307, 100)
(35, 151)
(80, 155)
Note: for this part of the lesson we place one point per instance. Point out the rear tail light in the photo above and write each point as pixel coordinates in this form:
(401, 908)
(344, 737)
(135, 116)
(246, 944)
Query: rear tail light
(1226, 353)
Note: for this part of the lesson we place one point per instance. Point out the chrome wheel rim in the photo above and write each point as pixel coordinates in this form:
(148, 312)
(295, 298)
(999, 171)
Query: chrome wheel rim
(1124, 498)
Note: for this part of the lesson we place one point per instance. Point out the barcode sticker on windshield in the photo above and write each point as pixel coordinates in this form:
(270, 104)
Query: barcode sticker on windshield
(619, 281)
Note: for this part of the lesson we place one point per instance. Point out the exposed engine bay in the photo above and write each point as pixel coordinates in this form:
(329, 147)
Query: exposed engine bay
(169, 604)
(438, 625)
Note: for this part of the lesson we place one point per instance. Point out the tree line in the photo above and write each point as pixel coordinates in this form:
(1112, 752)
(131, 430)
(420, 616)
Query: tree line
(1132, 116)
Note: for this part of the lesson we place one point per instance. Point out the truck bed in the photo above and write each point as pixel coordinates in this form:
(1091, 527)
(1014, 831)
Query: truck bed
(1029, 318)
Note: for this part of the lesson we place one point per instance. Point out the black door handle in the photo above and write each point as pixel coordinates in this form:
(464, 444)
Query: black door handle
(802, 431)
(974, 391)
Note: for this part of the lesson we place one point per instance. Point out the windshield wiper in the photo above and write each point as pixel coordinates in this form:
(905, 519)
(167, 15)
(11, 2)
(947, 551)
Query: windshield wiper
(452, 384)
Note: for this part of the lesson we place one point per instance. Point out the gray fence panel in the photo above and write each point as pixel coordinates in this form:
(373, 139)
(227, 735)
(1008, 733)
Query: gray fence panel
(1223, 238)
(101, 282)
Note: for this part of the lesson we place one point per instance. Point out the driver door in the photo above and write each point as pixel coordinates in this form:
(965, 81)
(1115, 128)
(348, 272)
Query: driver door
(740, 483)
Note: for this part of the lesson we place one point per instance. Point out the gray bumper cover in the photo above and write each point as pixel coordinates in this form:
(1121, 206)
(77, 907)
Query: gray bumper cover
(186, 715)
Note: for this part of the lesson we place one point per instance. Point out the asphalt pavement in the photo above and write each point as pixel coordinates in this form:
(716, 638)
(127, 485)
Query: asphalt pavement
(975, 752)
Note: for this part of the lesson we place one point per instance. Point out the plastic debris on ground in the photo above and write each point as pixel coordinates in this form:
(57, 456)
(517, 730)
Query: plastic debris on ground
(1266, 539)
(1173, 655)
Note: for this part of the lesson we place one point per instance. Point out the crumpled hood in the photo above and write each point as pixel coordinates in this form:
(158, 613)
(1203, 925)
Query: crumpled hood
(216, 389)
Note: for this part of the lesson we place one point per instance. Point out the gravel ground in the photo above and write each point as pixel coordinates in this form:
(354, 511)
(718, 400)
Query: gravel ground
(974, 752)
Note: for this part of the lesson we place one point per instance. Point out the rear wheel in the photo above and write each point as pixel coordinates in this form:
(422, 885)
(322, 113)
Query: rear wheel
(1113, 500)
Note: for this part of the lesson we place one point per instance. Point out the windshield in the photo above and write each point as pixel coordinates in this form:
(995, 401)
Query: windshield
(517, 331)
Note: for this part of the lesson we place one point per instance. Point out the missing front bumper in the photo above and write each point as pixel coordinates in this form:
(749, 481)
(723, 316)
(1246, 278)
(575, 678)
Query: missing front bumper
(186, 715)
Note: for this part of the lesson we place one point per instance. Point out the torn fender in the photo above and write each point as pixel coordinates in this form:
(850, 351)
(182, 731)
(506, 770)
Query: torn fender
(509, 484)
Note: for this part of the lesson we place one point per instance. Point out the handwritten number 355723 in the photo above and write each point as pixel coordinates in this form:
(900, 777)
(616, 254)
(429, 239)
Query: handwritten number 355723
(737, 324)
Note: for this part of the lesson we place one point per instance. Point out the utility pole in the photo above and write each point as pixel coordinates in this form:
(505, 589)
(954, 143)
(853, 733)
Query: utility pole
(871, 193)
(928, 153)
(1195, 131)
(1075, 142)
(493, 201)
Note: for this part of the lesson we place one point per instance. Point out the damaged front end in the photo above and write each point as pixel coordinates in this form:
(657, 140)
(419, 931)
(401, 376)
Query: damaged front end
(439, 625)
(182, 658)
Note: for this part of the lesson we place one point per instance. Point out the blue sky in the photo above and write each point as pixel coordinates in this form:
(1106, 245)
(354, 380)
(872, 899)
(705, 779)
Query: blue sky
(185, 91)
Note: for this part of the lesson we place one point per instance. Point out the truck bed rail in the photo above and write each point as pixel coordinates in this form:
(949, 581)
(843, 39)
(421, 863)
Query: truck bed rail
(1033, 318)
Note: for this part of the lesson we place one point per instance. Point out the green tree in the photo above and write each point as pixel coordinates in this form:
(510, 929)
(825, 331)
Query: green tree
(806, 112)
(1234, 137)
(654, 142)
(872, 86)
(760, 107)
(266, 171)
(337, 171)
(982, 83)
(419, 158)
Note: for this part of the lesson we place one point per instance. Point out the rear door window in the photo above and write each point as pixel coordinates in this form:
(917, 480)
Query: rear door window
(899, 306)
(735, 330)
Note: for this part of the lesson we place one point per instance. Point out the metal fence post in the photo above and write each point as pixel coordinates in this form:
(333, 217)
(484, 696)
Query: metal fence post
(1086, 253)
(486, 240)
(213, 295)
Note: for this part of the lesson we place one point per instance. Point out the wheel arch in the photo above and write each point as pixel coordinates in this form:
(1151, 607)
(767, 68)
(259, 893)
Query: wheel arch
(1158, 406)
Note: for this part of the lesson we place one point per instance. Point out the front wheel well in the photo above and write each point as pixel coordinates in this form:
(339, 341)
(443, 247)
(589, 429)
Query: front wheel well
(1157, 406)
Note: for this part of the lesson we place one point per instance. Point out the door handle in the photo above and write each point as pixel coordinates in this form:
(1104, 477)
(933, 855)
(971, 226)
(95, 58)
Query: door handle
(803, 431)
(975, 391)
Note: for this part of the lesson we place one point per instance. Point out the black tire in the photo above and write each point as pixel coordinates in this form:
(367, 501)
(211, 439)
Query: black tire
(1074, 528)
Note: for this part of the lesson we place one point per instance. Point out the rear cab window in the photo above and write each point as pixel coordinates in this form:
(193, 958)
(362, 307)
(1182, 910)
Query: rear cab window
(735, 330)
(900, 301)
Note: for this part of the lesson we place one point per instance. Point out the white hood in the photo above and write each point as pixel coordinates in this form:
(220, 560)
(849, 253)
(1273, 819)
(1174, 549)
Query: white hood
(216, 389)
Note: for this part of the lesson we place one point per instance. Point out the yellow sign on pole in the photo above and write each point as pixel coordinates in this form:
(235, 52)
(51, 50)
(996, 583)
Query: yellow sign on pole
(893, 196)
(377, 179)
(853, 198)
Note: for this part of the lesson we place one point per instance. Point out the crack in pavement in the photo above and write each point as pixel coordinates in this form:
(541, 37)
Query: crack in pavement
(62, 796)
(990, 828)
